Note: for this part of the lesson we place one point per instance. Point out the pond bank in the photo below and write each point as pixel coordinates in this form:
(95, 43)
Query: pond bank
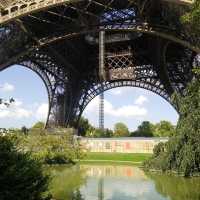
(171, 172)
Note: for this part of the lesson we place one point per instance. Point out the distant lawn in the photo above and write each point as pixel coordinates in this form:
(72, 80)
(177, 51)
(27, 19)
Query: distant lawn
(117, 157)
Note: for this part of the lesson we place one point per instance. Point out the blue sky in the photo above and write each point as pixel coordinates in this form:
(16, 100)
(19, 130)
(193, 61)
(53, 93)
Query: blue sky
(128, 105)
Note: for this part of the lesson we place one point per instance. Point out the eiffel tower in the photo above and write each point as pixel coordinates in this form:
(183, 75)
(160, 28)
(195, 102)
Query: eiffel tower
(144, 45)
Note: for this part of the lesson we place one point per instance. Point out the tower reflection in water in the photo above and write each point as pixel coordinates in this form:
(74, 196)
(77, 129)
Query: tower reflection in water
(116, 182)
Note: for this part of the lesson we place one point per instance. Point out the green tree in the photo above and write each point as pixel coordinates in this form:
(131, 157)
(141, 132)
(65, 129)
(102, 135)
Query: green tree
(97, 133)
(121, 130)
(38, 129)
(192, 18)
(84, 126)
(39, 125)
(182, 151)
(146, 129)
(108, 133)
(77, 195)
(21, 176)
(164, 129)
(66, 190)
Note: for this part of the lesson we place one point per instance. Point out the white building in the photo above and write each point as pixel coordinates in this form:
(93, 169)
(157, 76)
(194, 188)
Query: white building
(122, 145)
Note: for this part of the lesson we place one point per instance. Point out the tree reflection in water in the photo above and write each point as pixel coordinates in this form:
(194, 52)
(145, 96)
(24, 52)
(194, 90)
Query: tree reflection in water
(66, 182)
(77, 195)
(176, 187)
(119, 182)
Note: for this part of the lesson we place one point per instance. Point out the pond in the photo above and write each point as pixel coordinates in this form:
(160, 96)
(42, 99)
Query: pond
(119, 182)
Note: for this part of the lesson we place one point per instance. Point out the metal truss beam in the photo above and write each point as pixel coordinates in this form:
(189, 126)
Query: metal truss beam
(16, 8)
(69, 94)
(138, 29)
(127, 20)
(44, 77)
(58, 40)
(153, 86)
(23, 43)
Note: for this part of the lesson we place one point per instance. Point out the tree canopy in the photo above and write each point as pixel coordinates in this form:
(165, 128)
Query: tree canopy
(38, 125)
(182, 151)
(84, 126)
(192, 18)
(160, 129)
(37, 129)
(121, 130)
(97, 133)
(164, 129)
(146, 129)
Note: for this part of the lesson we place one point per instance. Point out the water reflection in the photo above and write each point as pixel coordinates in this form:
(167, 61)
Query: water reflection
(116, 171)
(77, 195)
(115, 182)
(177, 188)
(66, 182)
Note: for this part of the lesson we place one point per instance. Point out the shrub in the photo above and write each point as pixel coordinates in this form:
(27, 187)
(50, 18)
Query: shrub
(53, 149)
(158, 149)
(21, 176)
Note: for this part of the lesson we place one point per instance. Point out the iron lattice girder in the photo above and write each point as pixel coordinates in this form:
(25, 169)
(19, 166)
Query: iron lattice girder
(64, 88)
(71, 92)
(143, 49)
(153, 85)
(17, 8)
(56, 82)
(79, 16)
(35, 30)
(144, 75)
(128, 74)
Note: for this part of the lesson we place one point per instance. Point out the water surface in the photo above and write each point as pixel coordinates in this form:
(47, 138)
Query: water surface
(119, 182)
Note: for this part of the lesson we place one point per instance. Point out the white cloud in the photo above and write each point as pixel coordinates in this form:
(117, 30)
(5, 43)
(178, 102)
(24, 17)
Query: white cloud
(129, 111)
(120, 91)
(116, 91)
(17, 103)
(6, 87)
(42, 111)
(21, 113)
(4, 113)
(15, 111)
(124, 111)
(141, 100)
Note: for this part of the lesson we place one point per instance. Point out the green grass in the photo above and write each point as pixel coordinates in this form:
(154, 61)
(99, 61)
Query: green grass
(116, 157)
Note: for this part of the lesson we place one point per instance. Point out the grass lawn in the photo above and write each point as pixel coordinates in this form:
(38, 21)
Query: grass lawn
(117, 157)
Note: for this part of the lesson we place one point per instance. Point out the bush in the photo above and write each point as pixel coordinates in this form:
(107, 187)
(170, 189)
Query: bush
(53, 149)
(182, 152)
(57, 158)
(21, 176)
(158, 149)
